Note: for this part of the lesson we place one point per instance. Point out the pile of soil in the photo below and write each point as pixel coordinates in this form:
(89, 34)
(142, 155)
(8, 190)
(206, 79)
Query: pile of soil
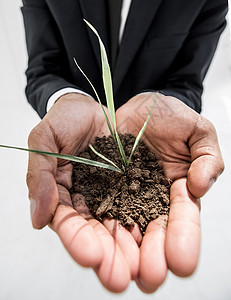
(140, 195)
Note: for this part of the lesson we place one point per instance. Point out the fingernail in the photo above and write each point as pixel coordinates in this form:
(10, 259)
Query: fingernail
(33, 206)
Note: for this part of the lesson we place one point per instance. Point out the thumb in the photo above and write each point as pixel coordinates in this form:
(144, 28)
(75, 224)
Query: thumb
(43, 192)
(207, 163)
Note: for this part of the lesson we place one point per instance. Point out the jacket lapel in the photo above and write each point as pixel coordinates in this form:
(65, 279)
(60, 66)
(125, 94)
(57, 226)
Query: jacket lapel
(94, 11)
(140, 17)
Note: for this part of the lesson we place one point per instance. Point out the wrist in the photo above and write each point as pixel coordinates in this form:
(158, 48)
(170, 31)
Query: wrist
(65, 91)
(74, 102)
(73, 96)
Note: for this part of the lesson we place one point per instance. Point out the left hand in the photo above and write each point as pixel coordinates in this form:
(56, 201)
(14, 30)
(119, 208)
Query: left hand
(72, 123)
(187, 147)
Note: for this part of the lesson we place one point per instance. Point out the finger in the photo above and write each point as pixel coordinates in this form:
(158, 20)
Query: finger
(77, 236)
(127, 244)
(183, 231)
(113, 271)
(207, 163)
(153, 265)
(41, 182)
(136, 233)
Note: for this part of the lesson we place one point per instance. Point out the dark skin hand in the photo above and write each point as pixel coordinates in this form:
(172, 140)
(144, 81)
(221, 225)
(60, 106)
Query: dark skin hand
(187, 146)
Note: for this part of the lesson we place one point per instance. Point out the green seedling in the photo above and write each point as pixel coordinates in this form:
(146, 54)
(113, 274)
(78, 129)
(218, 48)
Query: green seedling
(107, 82)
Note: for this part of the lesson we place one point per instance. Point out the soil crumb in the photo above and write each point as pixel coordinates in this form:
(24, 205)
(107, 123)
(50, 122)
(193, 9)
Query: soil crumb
(140, 195)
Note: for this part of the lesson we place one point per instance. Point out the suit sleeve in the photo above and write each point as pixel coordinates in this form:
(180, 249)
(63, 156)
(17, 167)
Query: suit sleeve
(185, 77)
(47, 66)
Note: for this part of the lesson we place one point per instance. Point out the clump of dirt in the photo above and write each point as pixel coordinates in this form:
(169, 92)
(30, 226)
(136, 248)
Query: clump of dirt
(140, 195)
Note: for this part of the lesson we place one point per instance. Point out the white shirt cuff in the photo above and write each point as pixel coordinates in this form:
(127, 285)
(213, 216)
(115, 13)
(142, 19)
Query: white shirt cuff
(62, 92)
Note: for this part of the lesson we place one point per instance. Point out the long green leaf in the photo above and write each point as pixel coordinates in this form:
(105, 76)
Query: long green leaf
(97, 96)
(141, 131)
(104, 157)
(67, 157)
(107, 82)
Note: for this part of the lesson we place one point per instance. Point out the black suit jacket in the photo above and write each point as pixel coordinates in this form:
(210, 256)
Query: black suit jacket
(167, 46)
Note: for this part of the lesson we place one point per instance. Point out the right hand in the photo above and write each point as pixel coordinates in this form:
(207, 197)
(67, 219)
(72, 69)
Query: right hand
(112, 251)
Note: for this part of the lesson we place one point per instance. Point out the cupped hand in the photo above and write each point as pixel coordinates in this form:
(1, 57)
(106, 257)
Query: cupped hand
(112, 251)
(187, 147)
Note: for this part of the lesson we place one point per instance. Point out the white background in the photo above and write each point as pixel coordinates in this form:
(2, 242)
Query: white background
(34, 264)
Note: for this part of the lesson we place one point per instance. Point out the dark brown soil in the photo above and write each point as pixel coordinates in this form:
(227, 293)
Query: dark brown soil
(139, 195)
